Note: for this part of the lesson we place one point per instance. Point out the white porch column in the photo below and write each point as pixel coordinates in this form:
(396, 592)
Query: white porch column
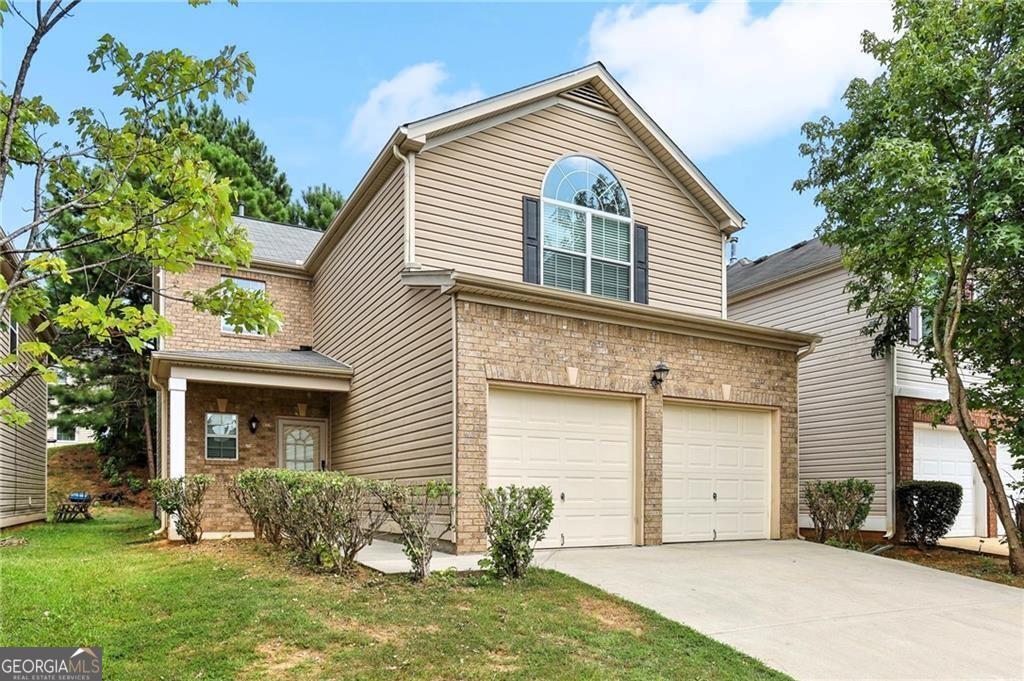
(176, 426)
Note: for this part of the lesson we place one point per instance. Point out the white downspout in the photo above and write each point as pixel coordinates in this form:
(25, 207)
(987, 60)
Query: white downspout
(890, 443)
(408, 205)
(799, 356)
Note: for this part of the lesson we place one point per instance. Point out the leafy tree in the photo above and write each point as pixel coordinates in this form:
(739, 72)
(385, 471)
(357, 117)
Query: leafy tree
(923, 188)
(180, 213)
(317, 208)
(234, 151)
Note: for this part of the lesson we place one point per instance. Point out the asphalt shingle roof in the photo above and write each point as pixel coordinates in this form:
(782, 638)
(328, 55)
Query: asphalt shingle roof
(278, 242)
(290, 358)
(746, 274)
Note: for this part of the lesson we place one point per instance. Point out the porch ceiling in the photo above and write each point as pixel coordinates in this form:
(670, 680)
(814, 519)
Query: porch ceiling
(298, 369)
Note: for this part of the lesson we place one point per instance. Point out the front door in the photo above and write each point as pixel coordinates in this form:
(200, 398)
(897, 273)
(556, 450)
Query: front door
(301, 445)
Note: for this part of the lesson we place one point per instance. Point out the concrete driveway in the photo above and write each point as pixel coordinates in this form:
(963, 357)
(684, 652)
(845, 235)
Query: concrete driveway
(816, 612)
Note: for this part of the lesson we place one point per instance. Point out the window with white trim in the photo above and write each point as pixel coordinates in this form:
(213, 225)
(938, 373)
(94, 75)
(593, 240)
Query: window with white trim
(221, 436)
(249, 285)
(12, 338)
(586, 230)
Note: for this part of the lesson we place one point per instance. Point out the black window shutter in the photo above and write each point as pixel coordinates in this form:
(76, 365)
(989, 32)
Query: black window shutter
(640, 264)
(531, 239)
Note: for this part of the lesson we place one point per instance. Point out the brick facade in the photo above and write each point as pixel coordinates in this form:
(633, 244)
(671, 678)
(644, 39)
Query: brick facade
(291, 296)
(496, 343)
(911, 410)
(254, 450)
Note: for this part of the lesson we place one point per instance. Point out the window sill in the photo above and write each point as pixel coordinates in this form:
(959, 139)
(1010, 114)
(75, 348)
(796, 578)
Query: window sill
(243, 336)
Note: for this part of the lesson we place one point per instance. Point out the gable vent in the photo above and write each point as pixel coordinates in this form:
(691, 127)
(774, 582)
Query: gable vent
(588, 94)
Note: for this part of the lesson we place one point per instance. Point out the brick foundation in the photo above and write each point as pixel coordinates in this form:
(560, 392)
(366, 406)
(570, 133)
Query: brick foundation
(503, 344)
(909, 411)
(257, 450)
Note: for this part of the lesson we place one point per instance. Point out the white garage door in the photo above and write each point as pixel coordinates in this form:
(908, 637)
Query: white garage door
(941, 454)
(580, 447)
(716, 477)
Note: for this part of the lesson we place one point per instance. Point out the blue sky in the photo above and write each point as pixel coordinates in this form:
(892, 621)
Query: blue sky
(731, 82)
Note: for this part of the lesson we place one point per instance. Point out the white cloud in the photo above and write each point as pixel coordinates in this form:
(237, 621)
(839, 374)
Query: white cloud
(414, 93)
(720, 77)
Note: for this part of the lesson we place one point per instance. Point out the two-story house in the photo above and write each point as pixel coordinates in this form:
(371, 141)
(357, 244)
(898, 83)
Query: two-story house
(860, 416)
(529, 289)
(22, 447)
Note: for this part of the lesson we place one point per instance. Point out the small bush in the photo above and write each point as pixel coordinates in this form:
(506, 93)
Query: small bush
(321, 517)
(183, 499)
(135, 484)
(838, 507)
(516, 518)
(423, 513)
(928, 509)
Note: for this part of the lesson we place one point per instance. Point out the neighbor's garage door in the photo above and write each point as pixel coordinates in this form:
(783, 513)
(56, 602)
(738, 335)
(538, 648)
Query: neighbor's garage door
(716, 476)
(942, 454)
(579, 446)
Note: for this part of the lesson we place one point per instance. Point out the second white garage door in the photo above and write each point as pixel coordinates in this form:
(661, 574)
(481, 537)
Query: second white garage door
(716, 480)
(581, 447)
(941, 454)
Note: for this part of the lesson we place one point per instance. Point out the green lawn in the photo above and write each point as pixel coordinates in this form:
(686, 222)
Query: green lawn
(235, 610)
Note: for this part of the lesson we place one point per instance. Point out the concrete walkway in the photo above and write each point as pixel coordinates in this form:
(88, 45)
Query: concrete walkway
(989, 545)
(817, 612)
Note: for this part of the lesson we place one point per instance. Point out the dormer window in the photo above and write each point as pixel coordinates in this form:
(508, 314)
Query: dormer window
(587, 230)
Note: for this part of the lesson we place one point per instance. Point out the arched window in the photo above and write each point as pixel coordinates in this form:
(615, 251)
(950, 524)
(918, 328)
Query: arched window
(587, 229)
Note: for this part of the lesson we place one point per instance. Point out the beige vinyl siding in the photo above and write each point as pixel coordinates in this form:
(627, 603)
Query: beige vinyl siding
(469, 203)
(842, 390)
(23, 449)
(397, 420)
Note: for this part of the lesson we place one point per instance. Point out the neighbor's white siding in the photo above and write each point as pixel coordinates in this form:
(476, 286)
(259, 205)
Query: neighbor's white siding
(842, 390)
(914, 377)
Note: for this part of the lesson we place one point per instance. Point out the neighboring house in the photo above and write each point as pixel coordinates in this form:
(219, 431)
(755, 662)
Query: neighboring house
(859, 416)
(22, 448)
(490, 307)
(59, 436)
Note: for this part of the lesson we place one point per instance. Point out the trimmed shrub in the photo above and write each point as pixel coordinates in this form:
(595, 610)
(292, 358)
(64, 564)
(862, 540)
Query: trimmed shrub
(254, 490)
(323, 518)
(928, 509)
(183, 499)
(423, 513)
(516, 518)
(838, 508)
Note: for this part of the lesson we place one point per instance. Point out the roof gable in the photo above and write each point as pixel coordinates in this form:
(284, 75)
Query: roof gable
(592, 85)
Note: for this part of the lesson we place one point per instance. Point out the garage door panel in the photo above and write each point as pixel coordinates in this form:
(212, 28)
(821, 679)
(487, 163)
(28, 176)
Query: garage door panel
(714, 452)
(941, 454)
(578, 445)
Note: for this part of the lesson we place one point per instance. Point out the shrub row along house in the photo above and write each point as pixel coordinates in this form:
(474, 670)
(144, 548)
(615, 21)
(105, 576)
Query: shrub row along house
(529, 289)
(860, 416)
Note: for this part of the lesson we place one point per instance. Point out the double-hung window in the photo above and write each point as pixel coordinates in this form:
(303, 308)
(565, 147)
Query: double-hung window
(587, 230)
(222, 436)
(249, 285)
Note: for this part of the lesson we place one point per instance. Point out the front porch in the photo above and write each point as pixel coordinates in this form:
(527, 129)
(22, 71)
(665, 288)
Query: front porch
(223, 412)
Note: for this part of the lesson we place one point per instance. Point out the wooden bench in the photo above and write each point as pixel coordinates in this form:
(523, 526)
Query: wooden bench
(69, 510)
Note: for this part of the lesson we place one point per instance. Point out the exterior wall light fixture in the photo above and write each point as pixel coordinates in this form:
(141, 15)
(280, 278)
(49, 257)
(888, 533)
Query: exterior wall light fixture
(254, 424)
(660, 372)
